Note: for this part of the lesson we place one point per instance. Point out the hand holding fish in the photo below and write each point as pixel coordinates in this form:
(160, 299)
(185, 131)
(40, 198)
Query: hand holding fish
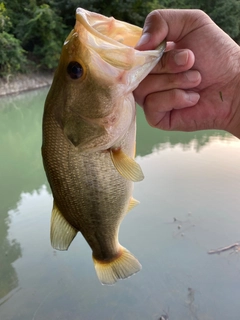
(195, 85)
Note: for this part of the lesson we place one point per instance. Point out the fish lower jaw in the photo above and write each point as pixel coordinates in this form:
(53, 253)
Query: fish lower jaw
(121, 266)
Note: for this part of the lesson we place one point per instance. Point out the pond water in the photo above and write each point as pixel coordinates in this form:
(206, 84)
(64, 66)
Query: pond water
(189, 204)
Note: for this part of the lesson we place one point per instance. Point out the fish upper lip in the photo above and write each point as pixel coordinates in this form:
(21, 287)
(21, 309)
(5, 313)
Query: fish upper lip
(82, 18)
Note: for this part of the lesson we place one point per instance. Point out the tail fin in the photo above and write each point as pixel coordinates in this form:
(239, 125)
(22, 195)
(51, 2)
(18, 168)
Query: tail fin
(124, 266)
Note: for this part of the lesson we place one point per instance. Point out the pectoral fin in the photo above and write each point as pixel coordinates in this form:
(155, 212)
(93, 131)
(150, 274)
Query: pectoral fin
(126, 166)
(132, 204)
(62, 233)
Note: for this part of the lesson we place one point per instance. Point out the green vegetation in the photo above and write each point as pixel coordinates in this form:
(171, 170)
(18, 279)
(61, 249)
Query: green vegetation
(32, 31)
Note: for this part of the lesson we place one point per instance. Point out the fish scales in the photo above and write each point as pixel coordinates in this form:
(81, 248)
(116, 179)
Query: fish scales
(88, 204)
(89, 131)
(101, 189)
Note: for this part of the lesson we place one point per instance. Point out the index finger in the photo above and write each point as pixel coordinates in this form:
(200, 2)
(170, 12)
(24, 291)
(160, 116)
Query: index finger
(171, 25)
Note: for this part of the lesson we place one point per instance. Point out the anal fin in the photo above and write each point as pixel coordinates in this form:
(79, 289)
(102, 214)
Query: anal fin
(126, 166)
(132, 204)
(62, 233)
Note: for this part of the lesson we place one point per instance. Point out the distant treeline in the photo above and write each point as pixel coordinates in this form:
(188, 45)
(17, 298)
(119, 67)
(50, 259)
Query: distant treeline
(32, 31)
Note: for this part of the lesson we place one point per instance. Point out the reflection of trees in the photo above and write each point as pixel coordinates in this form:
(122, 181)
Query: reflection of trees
(149, 138)
(9, 252)
(20, 158)
(20, 169)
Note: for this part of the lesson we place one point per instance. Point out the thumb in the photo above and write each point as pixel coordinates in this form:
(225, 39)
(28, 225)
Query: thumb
(154, 31)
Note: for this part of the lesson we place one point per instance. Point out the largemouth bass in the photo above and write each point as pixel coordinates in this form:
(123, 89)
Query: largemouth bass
(89, 138)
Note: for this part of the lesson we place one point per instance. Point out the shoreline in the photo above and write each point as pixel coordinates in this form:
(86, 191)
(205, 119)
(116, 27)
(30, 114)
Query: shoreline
(14, 84)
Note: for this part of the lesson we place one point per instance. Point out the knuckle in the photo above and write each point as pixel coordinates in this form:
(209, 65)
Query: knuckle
(175, 98)
(149, 101)
(152, 19)
(173, 80)
(200, 15)
(154, 14)
(176, 95)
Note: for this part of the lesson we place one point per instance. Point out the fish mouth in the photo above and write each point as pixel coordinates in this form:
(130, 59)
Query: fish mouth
(108, 29)
(112, 40)
(111, 44)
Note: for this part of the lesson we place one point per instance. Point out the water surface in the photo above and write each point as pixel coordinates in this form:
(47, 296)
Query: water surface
(189, 205)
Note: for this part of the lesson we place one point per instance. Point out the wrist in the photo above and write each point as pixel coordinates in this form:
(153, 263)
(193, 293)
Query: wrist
(234, 124)
(233, 120)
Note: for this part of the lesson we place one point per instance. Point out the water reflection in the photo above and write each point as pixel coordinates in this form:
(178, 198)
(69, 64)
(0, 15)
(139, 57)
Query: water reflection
(20, 140)
(151, 139)
(10, 251)
(20, 171)
(179, 278)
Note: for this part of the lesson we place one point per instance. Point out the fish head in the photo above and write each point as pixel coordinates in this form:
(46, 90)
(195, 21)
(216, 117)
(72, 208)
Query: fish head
(111, 42)
(98, 69)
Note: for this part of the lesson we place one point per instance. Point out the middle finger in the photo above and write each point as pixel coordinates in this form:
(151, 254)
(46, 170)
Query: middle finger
(175, 61)
(162, 82)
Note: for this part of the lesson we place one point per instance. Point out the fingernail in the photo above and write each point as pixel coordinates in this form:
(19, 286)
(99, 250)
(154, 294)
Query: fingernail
(193, 96)
(193, 75)
(144, 39)
(181, 58)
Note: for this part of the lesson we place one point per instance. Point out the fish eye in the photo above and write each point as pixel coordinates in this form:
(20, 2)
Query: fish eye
(75, 70)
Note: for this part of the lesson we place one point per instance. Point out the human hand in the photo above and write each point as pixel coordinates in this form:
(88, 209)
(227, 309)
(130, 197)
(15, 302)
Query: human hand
(196, 84)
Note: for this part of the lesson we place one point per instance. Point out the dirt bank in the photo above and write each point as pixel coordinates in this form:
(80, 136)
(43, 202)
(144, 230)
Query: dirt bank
(18, 83)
